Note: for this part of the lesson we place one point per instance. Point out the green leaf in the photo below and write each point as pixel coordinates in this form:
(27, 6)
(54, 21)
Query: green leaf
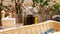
(41, 1)
(56, 8)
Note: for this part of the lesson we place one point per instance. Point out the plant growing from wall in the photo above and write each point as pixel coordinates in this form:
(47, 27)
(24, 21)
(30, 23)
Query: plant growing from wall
(35, 2)
(56, 8)
(41, 2)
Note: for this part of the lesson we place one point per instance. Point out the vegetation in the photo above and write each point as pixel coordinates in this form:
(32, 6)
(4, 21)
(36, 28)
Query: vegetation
(44, 3)
(56, 8)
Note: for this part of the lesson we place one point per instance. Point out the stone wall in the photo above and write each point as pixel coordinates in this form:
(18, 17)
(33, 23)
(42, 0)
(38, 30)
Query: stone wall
(28, 2)
(8, 2)
(58, 1)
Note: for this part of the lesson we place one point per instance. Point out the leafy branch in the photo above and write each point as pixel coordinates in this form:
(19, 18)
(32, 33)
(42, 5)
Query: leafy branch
(56, 8)
(42, 2)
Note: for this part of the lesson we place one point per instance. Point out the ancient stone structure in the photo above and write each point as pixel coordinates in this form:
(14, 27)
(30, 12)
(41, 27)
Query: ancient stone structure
(28, 2)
